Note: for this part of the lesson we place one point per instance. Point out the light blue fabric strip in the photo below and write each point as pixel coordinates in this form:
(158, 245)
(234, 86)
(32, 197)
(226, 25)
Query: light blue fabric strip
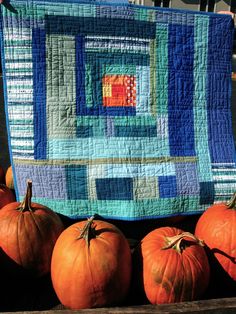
(200, 103)
(143, 87)
(106, 148)
(142, 170)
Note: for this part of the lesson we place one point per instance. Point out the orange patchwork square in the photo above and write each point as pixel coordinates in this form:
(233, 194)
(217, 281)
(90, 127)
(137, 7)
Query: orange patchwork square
(119, 90)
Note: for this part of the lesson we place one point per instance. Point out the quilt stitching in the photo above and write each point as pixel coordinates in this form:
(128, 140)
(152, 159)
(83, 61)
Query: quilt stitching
(119, 110)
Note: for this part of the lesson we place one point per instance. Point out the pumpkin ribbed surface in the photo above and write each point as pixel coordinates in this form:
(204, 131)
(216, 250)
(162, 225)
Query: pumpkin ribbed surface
(217, 227)
(91, 269)
(173, 273)
(28, 232)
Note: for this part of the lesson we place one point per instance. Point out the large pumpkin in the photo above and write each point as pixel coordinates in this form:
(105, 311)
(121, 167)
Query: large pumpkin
(6, 195)
(91, 265)
(28, 232)
(175, 266)
(217, 227)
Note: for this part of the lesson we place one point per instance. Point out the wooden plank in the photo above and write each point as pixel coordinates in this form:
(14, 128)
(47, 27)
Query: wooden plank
(217, 306)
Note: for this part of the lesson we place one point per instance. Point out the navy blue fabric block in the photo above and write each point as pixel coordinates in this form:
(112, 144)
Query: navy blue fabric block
(180, 90)
(114, 189)
(84, 131)
(70, 25)
(167, 186)
(80, 73)
(207, 193)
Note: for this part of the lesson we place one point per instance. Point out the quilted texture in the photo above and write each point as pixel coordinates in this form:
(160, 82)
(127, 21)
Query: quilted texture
(119, 110)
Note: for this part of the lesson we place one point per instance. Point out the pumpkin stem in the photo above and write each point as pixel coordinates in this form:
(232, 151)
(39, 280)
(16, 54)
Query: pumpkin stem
(175, 241)
(25, 205)
(232, 202)
(87, 233)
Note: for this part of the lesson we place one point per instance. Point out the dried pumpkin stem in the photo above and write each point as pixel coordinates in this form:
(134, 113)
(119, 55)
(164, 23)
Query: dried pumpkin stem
(175, 241)
(26, 203)
(87, 232)
(232, 202)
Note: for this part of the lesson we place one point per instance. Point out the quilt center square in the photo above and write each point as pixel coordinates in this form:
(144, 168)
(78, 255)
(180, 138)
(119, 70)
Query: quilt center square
(119, 90)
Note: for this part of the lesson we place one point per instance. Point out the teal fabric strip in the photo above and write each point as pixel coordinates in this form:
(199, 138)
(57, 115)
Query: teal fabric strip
(50, 8)
(200, 103)
(131, 210)
(161, 75)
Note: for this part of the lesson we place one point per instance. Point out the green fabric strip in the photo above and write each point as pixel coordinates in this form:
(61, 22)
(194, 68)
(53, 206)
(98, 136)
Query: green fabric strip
(153, 83)
(61, 85)
(106, 161)
(161, 74)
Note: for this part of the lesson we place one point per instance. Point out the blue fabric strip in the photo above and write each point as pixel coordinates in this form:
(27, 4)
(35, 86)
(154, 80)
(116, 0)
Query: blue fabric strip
(107, 27)
(39, 81)
(219, 94)
(80, 73)
(180, 90)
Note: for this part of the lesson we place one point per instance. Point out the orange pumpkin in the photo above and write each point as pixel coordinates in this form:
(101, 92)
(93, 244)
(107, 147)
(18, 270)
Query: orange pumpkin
(28, 232)
(6, 195)
(9, 178)
(217, 227)
(91, 265)
(175, 266)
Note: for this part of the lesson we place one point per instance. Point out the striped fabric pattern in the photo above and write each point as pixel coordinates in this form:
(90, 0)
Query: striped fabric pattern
(118, 109)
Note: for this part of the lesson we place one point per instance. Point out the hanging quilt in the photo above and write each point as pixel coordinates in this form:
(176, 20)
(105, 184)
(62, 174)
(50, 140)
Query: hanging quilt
(118, 109)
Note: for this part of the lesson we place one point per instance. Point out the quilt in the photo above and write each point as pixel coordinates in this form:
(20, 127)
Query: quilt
(118, 109)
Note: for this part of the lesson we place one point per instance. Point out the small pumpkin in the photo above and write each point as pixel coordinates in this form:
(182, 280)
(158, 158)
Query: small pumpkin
(9, 178)
(217, 227)
(28, 232)
(6, 195)
(91, 265)
(175, 266)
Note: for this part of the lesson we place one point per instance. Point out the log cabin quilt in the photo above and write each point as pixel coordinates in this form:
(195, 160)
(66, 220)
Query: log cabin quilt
(118, 109)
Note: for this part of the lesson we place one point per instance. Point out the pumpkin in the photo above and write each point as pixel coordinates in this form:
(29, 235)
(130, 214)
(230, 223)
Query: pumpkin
(9, 178)
(91, 265)
(28, 232)
(6, 195)
(175, 266)
(217, 227)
